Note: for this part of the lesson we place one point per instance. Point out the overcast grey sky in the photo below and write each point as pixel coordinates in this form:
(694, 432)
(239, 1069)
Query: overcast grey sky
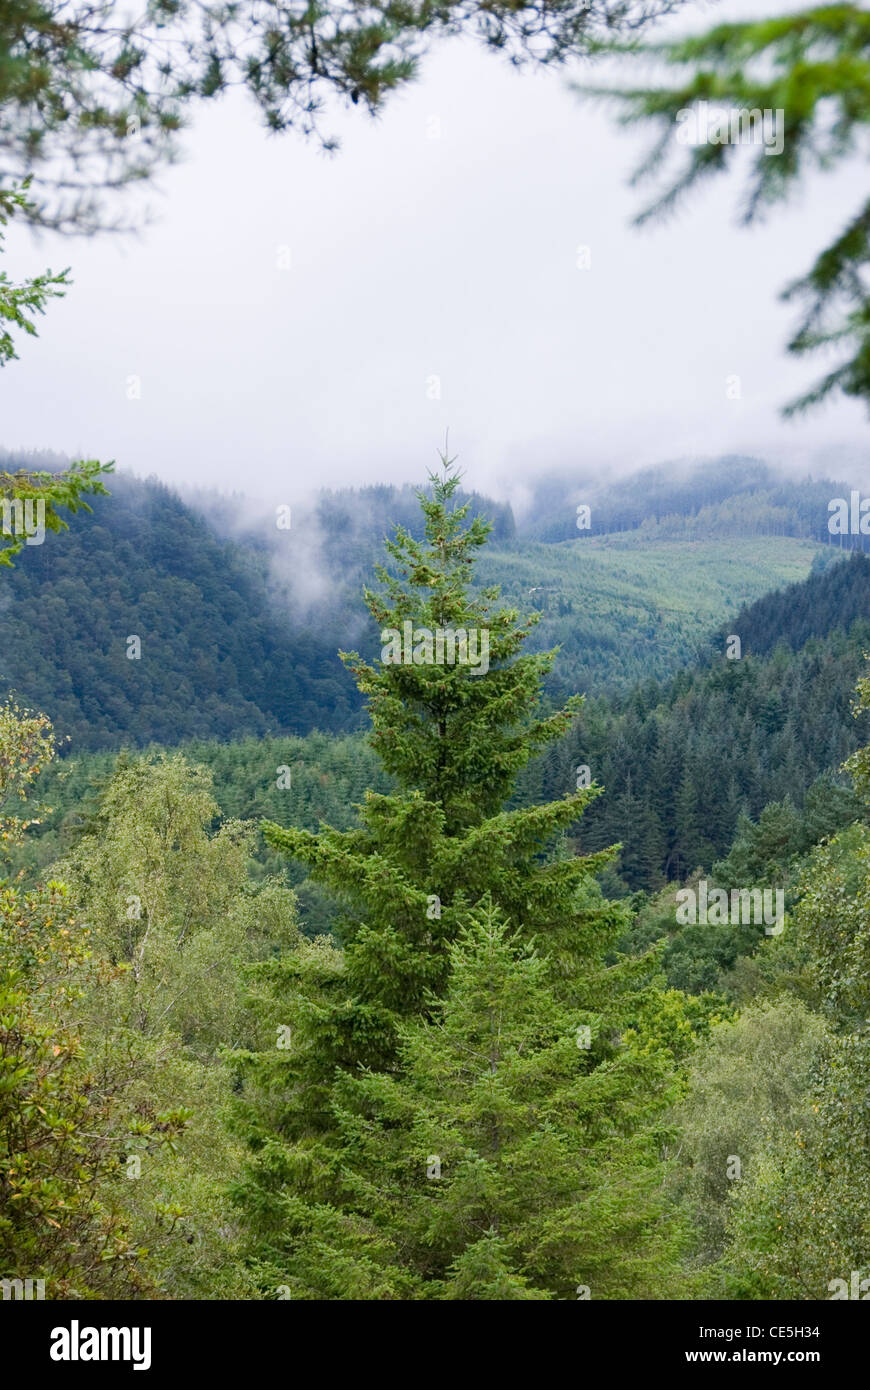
(441, 241)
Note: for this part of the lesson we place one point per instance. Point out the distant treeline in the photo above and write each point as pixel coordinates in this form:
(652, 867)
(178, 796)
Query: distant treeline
(729, 496)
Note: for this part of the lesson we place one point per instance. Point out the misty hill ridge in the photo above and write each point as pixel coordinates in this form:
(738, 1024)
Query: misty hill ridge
(233, 644)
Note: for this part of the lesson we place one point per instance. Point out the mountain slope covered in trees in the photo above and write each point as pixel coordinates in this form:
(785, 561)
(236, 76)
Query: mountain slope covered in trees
(239, 636)
(683, 760)
(472, 1074)
(216, 659)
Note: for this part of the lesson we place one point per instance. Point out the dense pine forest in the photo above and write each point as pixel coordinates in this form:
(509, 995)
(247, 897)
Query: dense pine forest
(450, 884)
(271, 966)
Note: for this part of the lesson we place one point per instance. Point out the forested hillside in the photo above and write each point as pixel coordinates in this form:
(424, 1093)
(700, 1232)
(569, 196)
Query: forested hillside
(622, 612)
(240, 636)
(683, 761)
(343, 1160)
(216, 658)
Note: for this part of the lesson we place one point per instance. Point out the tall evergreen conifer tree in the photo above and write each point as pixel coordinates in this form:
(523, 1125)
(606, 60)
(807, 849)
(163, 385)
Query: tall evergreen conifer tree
(413, 874)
